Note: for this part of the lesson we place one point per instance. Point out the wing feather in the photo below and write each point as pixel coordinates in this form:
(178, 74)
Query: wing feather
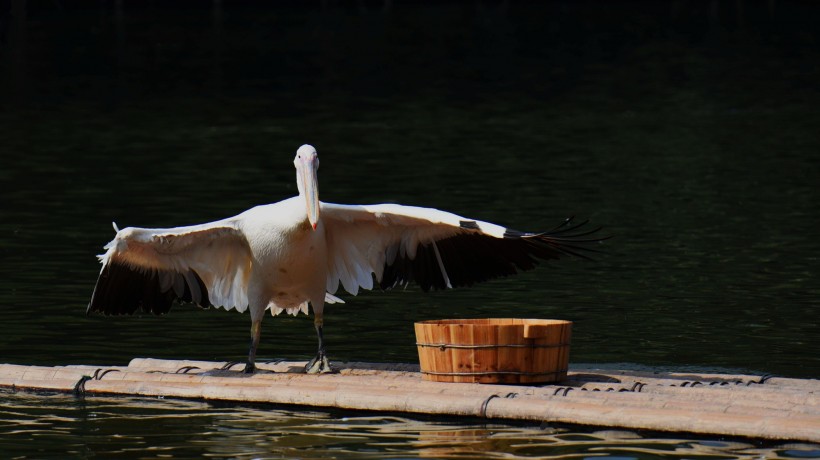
(435, 249)
(147, 269)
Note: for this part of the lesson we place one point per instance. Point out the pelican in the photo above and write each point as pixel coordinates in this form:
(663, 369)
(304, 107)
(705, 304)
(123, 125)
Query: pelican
(289, 255)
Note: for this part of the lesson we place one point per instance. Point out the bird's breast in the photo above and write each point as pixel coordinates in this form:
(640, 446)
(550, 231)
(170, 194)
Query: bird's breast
(295, 263)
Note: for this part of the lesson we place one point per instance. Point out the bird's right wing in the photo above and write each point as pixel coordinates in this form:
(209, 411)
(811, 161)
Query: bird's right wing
(148, 269)
(436, 249)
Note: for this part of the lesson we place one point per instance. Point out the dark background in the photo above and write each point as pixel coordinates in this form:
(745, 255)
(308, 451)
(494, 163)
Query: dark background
(689, 129)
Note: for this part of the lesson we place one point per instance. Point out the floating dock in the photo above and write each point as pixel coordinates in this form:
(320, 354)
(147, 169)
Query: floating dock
(707, 404)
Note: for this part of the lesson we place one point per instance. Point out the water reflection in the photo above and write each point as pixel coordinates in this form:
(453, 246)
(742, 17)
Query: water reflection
(52, 426)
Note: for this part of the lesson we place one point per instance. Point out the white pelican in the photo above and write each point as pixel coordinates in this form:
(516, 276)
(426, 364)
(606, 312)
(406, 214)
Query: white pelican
(294, 253)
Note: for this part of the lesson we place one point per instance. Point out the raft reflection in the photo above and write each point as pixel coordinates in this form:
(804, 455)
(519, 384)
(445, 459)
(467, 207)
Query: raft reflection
(63, 425)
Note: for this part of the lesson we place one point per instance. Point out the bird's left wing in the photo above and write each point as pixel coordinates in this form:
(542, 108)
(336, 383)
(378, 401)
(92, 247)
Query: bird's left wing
(148, 269)
(436, 249)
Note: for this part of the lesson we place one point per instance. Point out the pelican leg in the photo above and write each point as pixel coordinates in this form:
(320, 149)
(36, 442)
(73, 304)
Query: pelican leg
(319, 364)
(256, 333)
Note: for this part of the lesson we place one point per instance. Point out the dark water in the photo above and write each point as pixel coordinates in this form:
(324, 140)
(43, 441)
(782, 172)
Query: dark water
(62, 426)
(688, 129)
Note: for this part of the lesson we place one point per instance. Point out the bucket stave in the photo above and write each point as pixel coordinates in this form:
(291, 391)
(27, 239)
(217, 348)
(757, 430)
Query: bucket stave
(494, 350)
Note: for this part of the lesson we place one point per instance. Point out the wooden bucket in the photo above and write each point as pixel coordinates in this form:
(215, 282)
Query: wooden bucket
(494, 350)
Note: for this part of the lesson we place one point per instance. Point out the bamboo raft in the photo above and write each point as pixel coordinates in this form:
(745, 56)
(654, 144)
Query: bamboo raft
(708, 404)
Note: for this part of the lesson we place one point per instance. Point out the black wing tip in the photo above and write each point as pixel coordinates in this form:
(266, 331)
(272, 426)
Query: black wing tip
(125, 290)
(565, 231)
(566, 239)
(473, 257)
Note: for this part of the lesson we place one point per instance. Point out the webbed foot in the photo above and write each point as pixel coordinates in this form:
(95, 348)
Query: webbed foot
(319, 365)
(227, 371)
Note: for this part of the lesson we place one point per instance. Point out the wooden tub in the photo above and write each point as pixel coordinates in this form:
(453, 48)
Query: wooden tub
(494, 350)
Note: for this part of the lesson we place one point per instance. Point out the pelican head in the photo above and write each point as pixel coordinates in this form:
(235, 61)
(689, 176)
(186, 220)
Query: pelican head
(307, 165)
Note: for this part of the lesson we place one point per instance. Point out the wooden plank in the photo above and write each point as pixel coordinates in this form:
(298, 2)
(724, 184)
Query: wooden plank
(781, 409)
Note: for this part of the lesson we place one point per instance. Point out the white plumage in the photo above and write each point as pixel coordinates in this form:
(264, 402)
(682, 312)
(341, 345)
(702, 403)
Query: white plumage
(295, 253)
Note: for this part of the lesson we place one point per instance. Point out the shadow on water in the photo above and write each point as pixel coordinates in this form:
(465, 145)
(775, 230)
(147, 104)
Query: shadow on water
(687, 130)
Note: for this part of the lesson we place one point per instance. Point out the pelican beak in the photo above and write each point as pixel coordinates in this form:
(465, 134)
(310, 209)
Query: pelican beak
(311, 185)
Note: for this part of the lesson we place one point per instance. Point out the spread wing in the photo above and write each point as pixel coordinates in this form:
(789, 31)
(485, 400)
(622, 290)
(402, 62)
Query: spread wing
(147, 269)
(396, 245)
